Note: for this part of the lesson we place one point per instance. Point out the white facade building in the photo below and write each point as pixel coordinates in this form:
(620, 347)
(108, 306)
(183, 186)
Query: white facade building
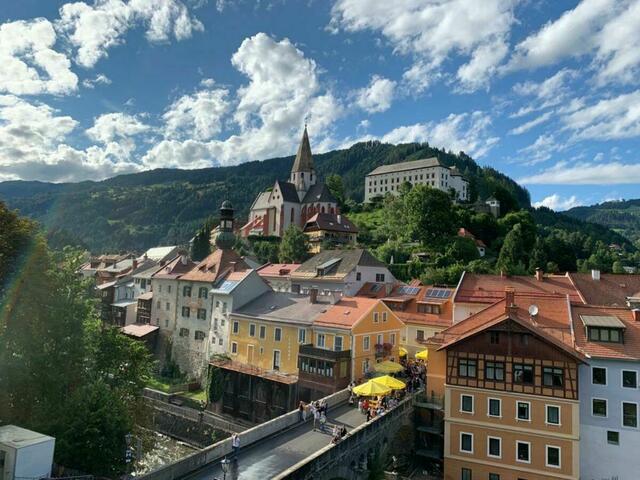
(25, 454)
(428, 171)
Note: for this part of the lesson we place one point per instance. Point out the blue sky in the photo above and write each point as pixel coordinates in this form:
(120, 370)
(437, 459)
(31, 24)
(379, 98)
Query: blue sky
(546, 92)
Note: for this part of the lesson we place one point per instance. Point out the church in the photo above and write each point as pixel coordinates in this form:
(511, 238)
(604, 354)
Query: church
(292, 202)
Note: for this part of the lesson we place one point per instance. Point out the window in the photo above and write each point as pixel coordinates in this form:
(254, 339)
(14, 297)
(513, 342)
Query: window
(522, 373)
(599, 376)
(420, 335)
(629, 414)
(186, 312)
(358, 276)
(168, 306)
(320, 340)
(375, 317)
(184, 332)
(263, 331)
(494, 371)
(466, 442)
(202, 314)
(220, 342)
(466, 403)
(168, 289)
(611, 335)
(186, 291)
(523, 452)
(234, 347)
(302, 335)
(552, 377)
(365, 342)
(203, 292)
(365, 366)
(465, 474)
(467, 367)
(428, 308)
(494, 407)
(494, 447)
(553, 414)
(158, 304)
(277, 334)
(252, 330)
(276, 359)
(199, 335)
(379, 277)
(236, 327)
(494, 476)
(379, 339)
(337, 343)
(224, 307)
(553, 456)
(494, 338)
(598, 407)
(392, 339)
(384, 317)
(613, 437)
(523, 410)
(629, 379)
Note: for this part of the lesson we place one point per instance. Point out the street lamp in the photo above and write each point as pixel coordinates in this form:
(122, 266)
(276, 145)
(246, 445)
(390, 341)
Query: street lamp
(226, 464)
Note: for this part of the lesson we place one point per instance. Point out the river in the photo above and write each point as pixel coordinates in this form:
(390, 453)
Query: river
(158, 450)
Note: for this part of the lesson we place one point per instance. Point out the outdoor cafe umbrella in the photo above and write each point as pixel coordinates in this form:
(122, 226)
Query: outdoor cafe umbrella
(388, 367)
(371, 389)
(403, 352)
(423, 355)
(390, 382)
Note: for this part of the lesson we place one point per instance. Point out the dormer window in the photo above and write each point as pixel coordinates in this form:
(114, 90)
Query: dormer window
(611, 335)
(603, 328)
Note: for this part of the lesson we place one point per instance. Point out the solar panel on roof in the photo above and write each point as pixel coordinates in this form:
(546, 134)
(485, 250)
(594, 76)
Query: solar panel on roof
(406, 290)
(437, 293)
(375, 287)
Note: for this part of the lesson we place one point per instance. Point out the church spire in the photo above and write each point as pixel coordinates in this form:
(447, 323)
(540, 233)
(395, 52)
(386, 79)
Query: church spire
(304, 160)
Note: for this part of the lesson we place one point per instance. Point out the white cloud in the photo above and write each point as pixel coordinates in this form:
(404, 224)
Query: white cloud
(28, 63)
(100, 79)
(608, 173)
(609, 119)
(377, 96)
(550, 91)
(558, 203)
(199, 115)
(116, 132)
(540, 150)
(467, 132)
(93, 29)
(432, 31)
(525, 127)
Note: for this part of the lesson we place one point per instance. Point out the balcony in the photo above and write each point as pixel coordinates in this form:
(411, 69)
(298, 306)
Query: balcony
(433, 402)
(309, 350)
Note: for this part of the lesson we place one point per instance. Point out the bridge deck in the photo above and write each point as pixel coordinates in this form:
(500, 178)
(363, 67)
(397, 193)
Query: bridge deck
(273, 455)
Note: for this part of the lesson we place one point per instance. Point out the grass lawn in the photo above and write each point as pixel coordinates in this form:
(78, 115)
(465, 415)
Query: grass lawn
(158, 384)
(195, 395)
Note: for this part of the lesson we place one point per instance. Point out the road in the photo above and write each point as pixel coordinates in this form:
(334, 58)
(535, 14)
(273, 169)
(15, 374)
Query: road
(271, 456)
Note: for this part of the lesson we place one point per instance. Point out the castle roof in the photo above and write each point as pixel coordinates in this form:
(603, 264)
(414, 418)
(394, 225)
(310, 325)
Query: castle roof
(319, 193)
(403, 166)
(304, 160)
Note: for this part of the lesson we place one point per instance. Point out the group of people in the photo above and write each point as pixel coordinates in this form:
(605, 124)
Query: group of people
(318, 410)
(379, 405)
(415, 371)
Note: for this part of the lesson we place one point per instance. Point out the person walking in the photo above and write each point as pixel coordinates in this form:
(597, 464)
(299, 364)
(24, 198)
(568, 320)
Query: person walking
(235, 443)
(323, 422)
(301, 411)
(316, 417)
(368, 414)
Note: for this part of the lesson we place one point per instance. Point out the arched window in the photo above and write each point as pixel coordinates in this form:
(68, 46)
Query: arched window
(333, 211)
(292, 214)
(322, 209)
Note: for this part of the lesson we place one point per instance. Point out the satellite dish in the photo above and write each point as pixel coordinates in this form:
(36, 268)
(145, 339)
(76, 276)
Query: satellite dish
(533, 310)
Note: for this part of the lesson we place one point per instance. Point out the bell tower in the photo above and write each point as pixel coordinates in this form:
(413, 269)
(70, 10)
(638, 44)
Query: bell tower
(303, 173)
(225, 239)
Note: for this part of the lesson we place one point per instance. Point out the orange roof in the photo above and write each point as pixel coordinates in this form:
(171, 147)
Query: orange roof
(482, 288)
(629, 350)
(217, 264)
(612, 289)
(175, 268)
(346, 313)
(405, 305)
(552, 323)
(277, 269)
(372, 290)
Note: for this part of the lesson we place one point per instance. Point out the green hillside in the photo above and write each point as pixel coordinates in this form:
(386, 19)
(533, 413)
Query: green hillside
(621, 216)
(166, 206)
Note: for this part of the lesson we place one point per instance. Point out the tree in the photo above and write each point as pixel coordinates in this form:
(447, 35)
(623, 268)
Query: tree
(336, 187)
(617, 267)
(463, 249)
(429, 215)
(512, 253)
(266, 251)
(201, 245)
(293, 247)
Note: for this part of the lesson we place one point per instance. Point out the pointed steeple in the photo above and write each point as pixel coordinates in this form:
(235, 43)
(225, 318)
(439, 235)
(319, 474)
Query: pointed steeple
(304, 160)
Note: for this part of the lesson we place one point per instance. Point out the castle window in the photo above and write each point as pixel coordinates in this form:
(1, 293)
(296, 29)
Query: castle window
(292, 213)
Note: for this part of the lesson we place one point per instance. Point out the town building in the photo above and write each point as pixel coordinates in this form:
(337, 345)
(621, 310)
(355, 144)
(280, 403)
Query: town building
(506, 380)
(278, 275)
(475, 292)
(614, 290)
(387, 179)
(326, 230)
(25, 454)
(365, 328)
(292, 202)
(480, 246)
(609, 428)
(337, 273)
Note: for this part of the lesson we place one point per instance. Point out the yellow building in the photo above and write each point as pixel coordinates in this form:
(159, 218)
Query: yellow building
(347, 341)
(329, 229)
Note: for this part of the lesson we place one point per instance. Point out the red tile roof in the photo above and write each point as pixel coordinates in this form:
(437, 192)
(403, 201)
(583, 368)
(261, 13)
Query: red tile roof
(216, 265)
(175, 268)
(410, 313)
(611, 289)
(330, 222)
(481, 288)
(277, 269)
(629, 350)
(346, 312)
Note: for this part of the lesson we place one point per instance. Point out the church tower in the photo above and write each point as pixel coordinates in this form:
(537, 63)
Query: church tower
(225, 239)
(303, 173)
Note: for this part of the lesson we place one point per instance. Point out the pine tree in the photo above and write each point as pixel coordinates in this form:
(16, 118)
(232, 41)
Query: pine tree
(201, 245)
(293, 247)
(512, 254)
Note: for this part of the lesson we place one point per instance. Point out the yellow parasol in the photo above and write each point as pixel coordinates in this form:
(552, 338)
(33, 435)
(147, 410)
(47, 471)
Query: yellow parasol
(371, 389)
(403, 352)
(388, 367)
(423, 355)
(390, 382)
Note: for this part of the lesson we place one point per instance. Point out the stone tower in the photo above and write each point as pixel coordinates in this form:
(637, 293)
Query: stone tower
(225, 239)
(303, 173)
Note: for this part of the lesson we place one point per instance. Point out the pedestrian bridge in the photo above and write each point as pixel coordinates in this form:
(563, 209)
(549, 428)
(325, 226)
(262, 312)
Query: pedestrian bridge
(286, 448)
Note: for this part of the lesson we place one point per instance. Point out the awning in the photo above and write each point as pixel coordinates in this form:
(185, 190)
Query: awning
(388, 367)
(390, 382)
(146, 296)
(606, 321)
(423, 355)
(371, 389)
(124, 303)
(139, 330)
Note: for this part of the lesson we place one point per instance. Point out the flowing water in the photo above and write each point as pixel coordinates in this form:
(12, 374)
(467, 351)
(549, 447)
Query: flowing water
(158, 450)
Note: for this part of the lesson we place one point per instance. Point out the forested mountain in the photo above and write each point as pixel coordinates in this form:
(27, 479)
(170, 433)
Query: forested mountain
(166, 206)
(621, 216)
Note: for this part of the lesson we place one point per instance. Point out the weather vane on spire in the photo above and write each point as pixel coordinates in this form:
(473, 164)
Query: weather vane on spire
(306, 120)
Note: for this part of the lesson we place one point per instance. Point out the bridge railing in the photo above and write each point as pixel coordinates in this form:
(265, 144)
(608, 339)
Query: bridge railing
(219, 450)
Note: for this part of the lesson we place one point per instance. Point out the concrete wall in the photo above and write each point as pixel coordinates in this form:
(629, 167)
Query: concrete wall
(218, 450)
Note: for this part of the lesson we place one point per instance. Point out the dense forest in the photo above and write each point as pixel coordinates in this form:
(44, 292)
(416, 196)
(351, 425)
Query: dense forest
(621, 216)
(166, 206)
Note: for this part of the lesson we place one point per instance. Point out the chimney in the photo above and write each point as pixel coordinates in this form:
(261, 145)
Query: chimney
(313, 295)
(510, 299)
(595, 275)
(339, 218)
(135, 263)
(234, 266)
(183, 259)
(539, 274)
(635, 313)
